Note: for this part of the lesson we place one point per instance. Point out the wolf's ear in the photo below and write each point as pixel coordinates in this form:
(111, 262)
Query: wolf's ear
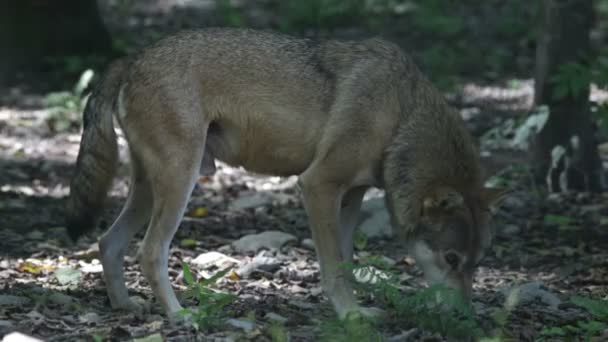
(442, 199)
(493, 196)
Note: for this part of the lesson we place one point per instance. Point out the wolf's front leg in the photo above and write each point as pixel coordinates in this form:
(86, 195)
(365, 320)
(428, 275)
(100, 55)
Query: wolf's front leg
(322, 202)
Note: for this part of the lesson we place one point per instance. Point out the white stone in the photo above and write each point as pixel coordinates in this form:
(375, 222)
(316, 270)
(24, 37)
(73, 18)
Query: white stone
(528, 292)
(244, 324)
(309, 244)
(19, 337)
(266, 240)
(376, 220)
(213, 258)
(271, 316)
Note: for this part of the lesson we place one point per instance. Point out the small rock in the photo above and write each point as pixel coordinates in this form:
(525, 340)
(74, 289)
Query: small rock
(216, 259)
(309, 244)
(268, 240)
(244, 324)
(10, 300)
(271, 316)
(377, 220)
(61, 298)
(93, 267)
(68, 276)
(528, 292)
(90, 318)
(252, 201)
(259, 262)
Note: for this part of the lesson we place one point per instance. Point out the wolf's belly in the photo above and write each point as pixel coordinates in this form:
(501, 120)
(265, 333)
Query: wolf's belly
(263, 146)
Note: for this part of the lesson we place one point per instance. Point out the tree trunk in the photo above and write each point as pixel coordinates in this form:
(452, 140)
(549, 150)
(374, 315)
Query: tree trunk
(33, 31)
(564, 38)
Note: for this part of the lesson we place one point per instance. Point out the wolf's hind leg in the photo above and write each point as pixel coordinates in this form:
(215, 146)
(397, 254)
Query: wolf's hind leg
(349, 216)
(112, 245)
(172, 186)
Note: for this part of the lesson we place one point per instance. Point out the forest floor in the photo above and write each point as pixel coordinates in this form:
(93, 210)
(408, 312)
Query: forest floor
(547, 249)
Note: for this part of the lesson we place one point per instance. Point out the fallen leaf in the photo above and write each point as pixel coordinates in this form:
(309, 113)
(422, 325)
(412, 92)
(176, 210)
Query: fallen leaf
(187, 243)
(68, 276)
(199, 212)
(234, 276)
(35, 266)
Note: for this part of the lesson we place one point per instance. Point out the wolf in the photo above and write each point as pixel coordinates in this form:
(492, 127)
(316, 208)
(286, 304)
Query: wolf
(342, 115)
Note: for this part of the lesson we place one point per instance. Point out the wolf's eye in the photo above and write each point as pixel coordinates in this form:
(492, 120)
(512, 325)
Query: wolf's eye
(452, 259)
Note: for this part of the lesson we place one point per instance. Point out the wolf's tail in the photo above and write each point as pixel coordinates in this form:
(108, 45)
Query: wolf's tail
(98, 155)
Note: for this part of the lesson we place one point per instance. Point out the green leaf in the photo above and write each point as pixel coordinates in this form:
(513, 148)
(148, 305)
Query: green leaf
(277, 333)
(593, 327)
(360, 240)
(188, 277)
(553, 331)
(596, 307)
(188, 243)
(218, 275)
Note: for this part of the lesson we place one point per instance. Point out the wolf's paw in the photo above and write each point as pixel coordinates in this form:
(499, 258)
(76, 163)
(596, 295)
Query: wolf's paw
(134, 304)
(180, 319)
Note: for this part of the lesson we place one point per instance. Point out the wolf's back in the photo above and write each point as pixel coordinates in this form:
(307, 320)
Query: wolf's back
(98, 155)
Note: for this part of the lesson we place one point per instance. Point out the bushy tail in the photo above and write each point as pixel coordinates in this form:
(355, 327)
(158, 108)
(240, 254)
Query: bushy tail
(98, 155)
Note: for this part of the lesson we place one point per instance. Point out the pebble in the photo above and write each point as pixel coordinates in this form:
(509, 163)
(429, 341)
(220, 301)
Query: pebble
(271, 316)
(259, 262)
(376, 222)
(308, 244)
(244, 324)
(528, 292)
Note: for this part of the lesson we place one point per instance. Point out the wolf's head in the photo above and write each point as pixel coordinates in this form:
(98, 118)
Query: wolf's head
(451, 236)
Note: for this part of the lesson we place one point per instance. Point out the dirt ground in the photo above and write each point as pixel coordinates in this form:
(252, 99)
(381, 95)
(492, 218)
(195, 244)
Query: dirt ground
(52, 289)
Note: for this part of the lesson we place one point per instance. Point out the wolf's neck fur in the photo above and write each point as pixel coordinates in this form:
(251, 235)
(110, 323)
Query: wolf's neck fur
(431, 148)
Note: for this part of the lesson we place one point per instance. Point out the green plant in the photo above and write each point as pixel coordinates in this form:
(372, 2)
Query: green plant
(65, 106)
(596, 307)
(359, 240)
(277, 333)
(209, 312)
(436, 309)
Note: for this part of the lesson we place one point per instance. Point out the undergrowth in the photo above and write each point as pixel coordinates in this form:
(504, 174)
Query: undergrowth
(436, 309)
(209, 313)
